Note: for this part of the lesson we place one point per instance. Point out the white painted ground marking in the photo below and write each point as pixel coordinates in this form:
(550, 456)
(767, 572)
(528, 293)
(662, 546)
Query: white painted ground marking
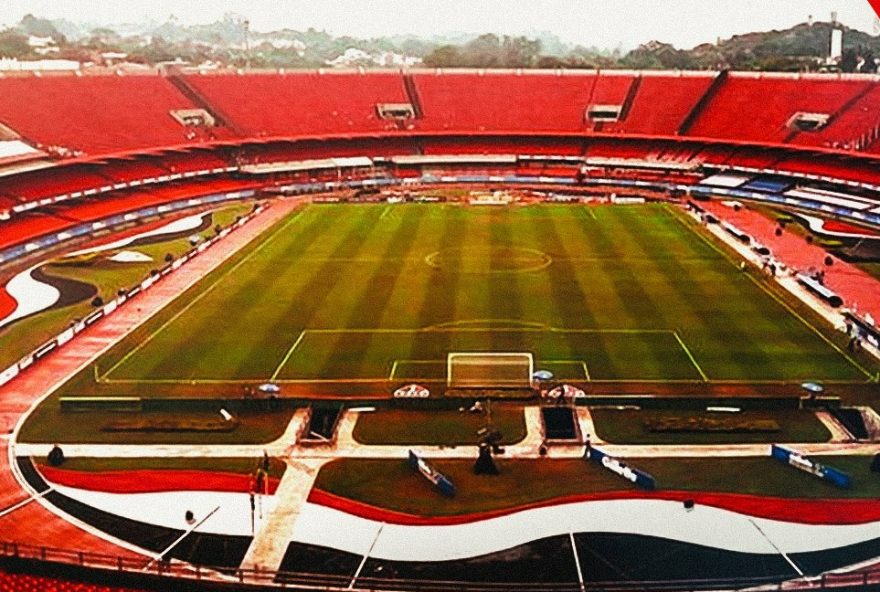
(204, 293)
(366, 556)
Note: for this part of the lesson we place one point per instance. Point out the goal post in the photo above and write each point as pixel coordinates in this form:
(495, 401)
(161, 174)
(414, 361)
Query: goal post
(489, 369)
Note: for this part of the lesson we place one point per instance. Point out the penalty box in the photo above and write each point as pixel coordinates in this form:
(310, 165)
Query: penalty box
(411, 354)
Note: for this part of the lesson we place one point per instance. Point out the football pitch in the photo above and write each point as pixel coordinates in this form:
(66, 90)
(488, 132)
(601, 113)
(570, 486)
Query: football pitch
(356, 293)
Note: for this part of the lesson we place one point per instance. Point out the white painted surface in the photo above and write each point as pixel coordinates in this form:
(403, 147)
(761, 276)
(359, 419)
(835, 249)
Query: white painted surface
(130, 257)
(168, 509)
(30, 295)
(703, 525)
(181, 225)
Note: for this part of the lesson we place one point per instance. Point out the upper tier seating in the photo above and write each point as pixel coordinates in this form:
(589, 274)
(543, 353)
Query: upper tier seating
(758, 109)
(847, 129)
(661, 104)
(93, 114)
(109, 113)
(302, 103)
(504, 102)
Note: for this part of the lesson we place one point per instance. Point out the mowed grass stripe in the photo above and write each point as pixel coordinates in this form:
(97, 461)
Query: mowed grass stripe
(679, 287)
(440, 302)
(503, 290)
(374, 294)
(132, 344)
(255, 308)
(318, 288)
(721, 301)
(567, 301)
(630, 269)
(792, 325)
(628, 295)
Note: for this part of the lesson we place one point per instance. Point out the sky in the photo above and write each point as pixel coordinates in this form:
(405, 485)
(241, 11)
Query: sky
(601, 23)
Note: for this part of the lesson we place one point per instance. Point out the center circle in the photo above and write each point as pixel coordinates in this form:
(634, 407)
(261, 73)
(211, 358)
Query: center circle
(489, 260)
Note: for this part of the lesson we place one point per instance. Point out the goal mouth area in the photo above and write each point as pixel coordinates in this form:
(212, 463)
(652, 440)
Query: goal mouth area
(489, 370)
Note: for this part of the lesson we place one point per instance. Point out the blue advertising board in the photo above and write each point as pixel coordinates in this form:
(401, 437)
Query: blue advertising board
(438, 479)
(798, 461)
(639, 478)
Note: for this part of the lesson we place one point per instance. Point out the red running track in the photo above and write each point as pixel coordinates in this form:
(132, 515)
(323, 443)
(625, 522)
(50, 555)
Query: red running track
(152, 480)
(857, 288)
(7, 303)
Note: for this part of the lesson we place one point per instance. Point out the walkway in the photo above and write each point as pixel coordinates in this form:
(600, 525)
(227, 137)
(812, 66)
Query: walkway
(270, 543)
(346, 446)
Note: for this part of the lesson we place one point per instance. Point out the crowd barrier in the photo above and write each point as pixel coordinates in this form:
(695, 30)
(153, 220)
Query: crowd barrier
(148, 573)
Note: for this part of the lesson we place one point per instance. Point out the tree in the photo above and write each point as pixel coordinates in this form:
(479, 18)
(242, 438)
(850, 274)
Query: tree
(482, 52)
(13, 45)
(870, 65)
(445, 56)
(848, 60)
(40, 27)
(519, 52)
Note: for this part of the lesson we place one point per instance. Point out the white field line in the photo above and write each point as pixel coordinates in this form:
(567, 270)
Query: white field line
(780, 301)
(204, 293)
(690, 356)
(580, 363)
(287, 355)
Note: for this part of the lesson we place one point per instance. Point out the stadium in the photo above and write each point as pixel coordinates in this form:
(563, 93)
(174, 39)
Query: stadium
(439, 329)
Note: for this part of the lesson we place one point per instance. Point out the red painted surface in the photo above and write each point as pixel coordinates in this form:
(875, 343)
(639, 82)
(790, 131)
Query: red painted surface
(838, 226)
(33, 524)
(804, 511)
(852, 284)
(152, 481)
(7, 303)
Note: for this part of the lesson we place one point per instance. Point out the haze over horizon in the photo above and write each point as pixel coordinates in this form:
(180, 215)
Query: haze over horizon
(601, 23)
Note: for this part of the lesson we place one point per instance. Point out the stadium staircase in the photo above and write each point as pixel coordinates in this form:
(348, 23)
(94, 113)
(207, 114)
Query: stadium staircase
(630, 98)
(413, 94)
(186, 89)
(703, 103)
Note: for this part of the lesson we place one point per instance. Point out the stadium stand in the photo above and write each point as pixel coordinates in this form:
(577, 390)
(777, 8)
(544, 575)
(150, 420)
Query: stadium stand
(661, 104)
(55, 218)
(854, 126)
(93, 114)
(649, 125)
(28, 226)
(301, 103)
(759, 108)
(43, 183)
(504, 102)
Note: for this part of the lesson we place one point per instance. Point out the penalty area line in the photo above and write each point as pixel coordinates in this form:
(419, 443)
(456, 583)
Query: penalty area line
(771, 293)
(287, 355)
(208, 289)
(690, 356)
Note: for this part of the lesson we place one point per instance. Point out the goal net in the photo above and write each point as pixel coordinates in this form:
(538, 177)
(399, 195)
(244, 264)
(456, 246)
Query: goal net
(489, 370)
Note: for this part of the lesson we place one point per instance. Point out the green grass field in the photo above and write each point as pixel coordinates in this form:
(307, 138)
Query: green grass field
(355, 294)
(438, 427)
(530, 481)
(627, 426)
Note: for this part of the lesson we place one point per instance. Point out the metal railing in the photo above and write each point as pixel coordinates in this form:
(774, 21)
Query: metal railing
(103, 564)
